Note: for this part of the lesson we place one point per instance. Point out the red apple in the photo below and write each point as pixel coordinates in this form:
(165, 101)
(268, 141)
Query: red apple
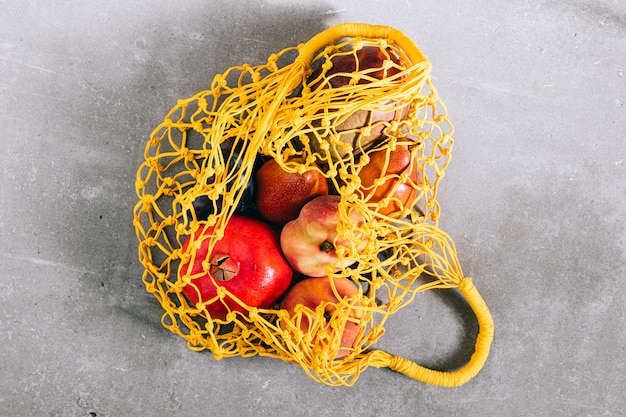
(314, 293)
(310, 242)
(280, 195)
(389, 163)
(246, 261)
(367, 65)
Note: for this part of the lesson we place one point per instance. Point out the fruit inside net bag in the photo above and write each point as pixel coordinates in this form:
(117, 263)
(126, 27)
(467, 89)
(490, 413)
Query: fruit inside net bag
(290, 209)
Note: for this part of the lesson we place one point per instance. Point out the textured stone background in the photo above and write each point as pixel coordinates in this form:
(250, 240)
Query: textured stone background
(535, 199)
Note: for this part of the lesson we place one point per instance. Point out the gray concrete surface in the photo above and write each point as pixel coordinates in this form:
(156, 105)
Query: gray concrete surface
(534, 199)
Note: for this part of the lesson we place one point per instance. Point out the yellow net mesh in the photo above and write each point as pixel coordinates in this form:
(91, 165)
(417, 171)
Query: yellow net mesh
(297, 105)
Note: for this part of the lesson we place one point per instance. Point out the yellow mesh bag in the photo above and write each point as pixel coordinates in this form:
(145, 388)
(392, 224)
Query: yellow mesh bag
(285, 107)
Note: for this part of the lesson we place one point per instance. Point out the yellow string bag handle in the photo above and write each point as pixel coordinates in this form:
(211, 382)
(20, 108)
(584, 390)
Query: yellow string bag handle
(278, 110)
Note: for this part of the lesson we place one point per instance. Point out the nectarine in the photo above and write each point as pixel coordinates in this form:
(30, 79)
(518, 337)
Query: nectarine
(280, 195)
(309, 242)
(317, 293)
(390, 163)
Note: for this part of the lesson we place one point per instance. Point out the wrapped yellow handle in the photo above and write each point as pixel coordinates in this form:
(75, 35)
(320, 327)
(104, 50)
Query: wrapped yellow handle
(459, 377)
(352, 30)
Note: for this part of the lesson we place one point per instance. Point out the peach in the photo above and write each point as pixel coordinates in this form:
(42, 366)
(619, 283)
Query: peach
(390, 163)
(317, 292)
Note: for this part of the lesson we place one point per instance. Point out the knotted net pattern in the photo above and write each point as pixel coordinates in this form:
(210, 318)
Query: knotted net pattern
(288, 107)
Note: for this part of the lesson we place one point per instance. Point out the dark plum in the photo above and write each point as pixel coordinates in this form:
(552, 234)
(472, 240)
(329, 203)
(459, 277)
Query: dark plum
(204, 207)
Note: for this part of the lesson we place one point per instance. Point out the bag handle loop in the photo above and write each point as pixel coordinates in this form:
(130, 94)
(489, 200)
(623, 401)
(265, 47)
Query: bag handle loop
(382, 359)
(352, 30)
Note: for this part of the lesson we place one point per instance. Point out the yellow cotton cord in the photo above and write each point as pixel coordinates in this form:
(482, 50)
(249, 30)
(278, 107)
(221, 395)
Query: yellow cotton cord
(207, 146)
(458, 377)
